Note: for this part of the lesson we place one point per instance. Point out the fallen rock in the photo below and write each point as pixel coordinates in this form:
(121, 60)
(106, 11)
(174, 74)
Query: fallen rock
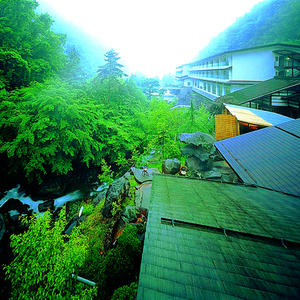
(116, 192)
(232, 178)
(129, 214)
(211, 175)
(171, 166)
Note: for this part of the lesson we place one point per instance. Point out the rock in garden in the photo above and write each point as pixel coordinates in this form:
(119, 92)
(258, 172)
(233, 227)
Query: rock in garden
(129, 214)
(171, 166)
(142, 175)
(192, 150)
(195, 164)
(211, 175)
(198, 138)
(116, 192)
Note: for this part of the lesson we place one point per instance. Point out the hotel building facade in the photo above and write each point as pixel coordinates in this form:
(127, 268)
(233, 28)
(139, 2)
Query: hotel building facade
(229, 71)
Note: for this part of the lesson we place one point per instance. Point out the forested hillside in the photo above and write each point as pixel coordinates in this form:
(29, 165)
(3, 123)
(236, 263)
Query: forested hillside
(90, 49)
(54, 121)
(270, 21)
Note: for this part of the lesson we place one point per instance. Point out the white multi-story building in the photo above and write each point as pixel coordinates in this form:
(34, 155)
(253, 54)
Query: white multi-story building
(230, 71)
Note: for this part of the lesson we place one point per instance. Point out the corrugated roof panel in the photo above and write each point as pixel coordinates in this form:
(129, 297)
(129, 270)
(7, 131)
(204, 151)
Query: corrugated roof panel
(269, 117)
(292, 127)
(268, 157)
(263, 88)
(192, 262)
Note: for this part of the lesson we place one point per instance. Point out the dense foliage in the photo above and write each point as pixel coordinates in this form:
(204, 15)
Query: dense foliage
(29, 50)
(45, 259)
(268, 22)
(165, 123)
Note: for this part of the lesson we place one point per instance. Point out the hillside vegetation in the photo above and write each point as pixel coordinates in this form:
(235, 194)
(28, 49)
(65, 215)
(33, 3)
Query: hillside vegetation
(268, 22)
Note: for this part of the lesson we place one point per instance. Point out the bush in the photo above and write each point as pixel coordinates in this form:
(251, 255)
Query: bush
(45, 259)
(120, 264)
(125, 292)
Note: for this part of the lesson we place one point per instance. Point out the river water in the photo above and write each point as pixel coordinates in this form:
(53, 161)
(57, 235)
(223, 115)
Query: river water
(16, 193)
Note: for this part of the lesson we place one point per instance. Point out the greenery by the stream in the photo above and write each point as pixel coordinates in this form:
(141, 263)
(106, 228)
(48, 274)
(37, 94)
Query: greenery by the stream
(55, 121)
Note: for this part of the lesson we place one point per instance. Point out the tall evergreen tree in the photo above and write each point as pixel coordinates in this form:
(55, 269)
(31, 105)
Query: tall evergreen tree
(112, 68)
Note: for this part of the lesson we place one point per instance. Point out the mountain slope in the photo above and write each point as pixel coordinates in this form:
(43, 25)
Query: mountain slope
(269, 22)
(90, 49)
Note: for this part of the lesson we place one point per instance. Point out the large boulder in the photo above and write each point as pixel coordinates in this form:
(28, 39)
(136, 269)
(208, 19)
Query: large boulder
(171, 166)
(198, 139)
(193, 163)
(116, 192)
(197, 151)
(129, 214)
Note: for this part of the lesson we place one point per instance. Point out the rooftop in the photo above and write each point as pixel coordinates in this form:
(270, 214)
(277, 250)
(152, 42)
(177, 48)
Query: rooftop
(277, 45)
(267, 158)
(261, 89)
(212, 240)
(256, 116)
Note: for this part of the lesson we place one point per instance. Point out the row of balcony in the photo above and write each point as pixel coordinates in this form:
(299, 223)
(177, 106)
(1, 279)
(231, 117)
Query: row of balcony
(212, 65)
(210, 76)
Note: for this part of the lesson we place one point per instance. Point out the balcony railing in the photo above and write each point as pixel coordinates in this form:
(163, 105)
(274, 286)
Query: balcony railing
(210, 77)
(286, 63)
(211, 66)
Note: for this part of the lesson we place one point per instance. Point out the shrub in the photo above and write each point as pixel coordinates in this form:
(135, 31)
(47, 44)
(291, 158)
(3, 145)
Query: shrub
(45, 259)
(125, 292)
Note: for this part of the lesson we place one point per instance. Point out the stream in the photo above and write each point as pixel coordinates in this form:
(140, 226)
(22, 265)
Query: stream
(17, 194)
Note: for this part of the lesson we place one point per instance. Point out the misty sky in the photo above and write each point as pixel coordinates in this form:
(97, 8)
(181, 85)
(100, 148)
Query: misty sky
(154, 36)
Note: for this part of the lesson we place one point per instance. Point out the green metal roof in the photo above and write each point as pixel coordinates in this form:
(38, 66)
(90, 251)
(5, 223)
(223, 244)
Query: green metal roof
(261, 89)
(196, 258)
(267, 157)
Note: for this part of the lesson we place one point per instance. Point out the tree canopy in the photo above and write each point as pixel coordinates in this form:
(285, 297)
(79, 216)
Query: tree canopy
(112, 68)
(29, 50)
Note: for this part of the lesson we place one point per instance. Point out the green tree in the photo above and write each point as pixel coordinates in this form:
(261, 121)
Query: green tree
(47, 127)
(164, 124)
(29, 50)
(72, 71)
(150, 87)
(162, 128)
(112, 68)
(45, 259)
